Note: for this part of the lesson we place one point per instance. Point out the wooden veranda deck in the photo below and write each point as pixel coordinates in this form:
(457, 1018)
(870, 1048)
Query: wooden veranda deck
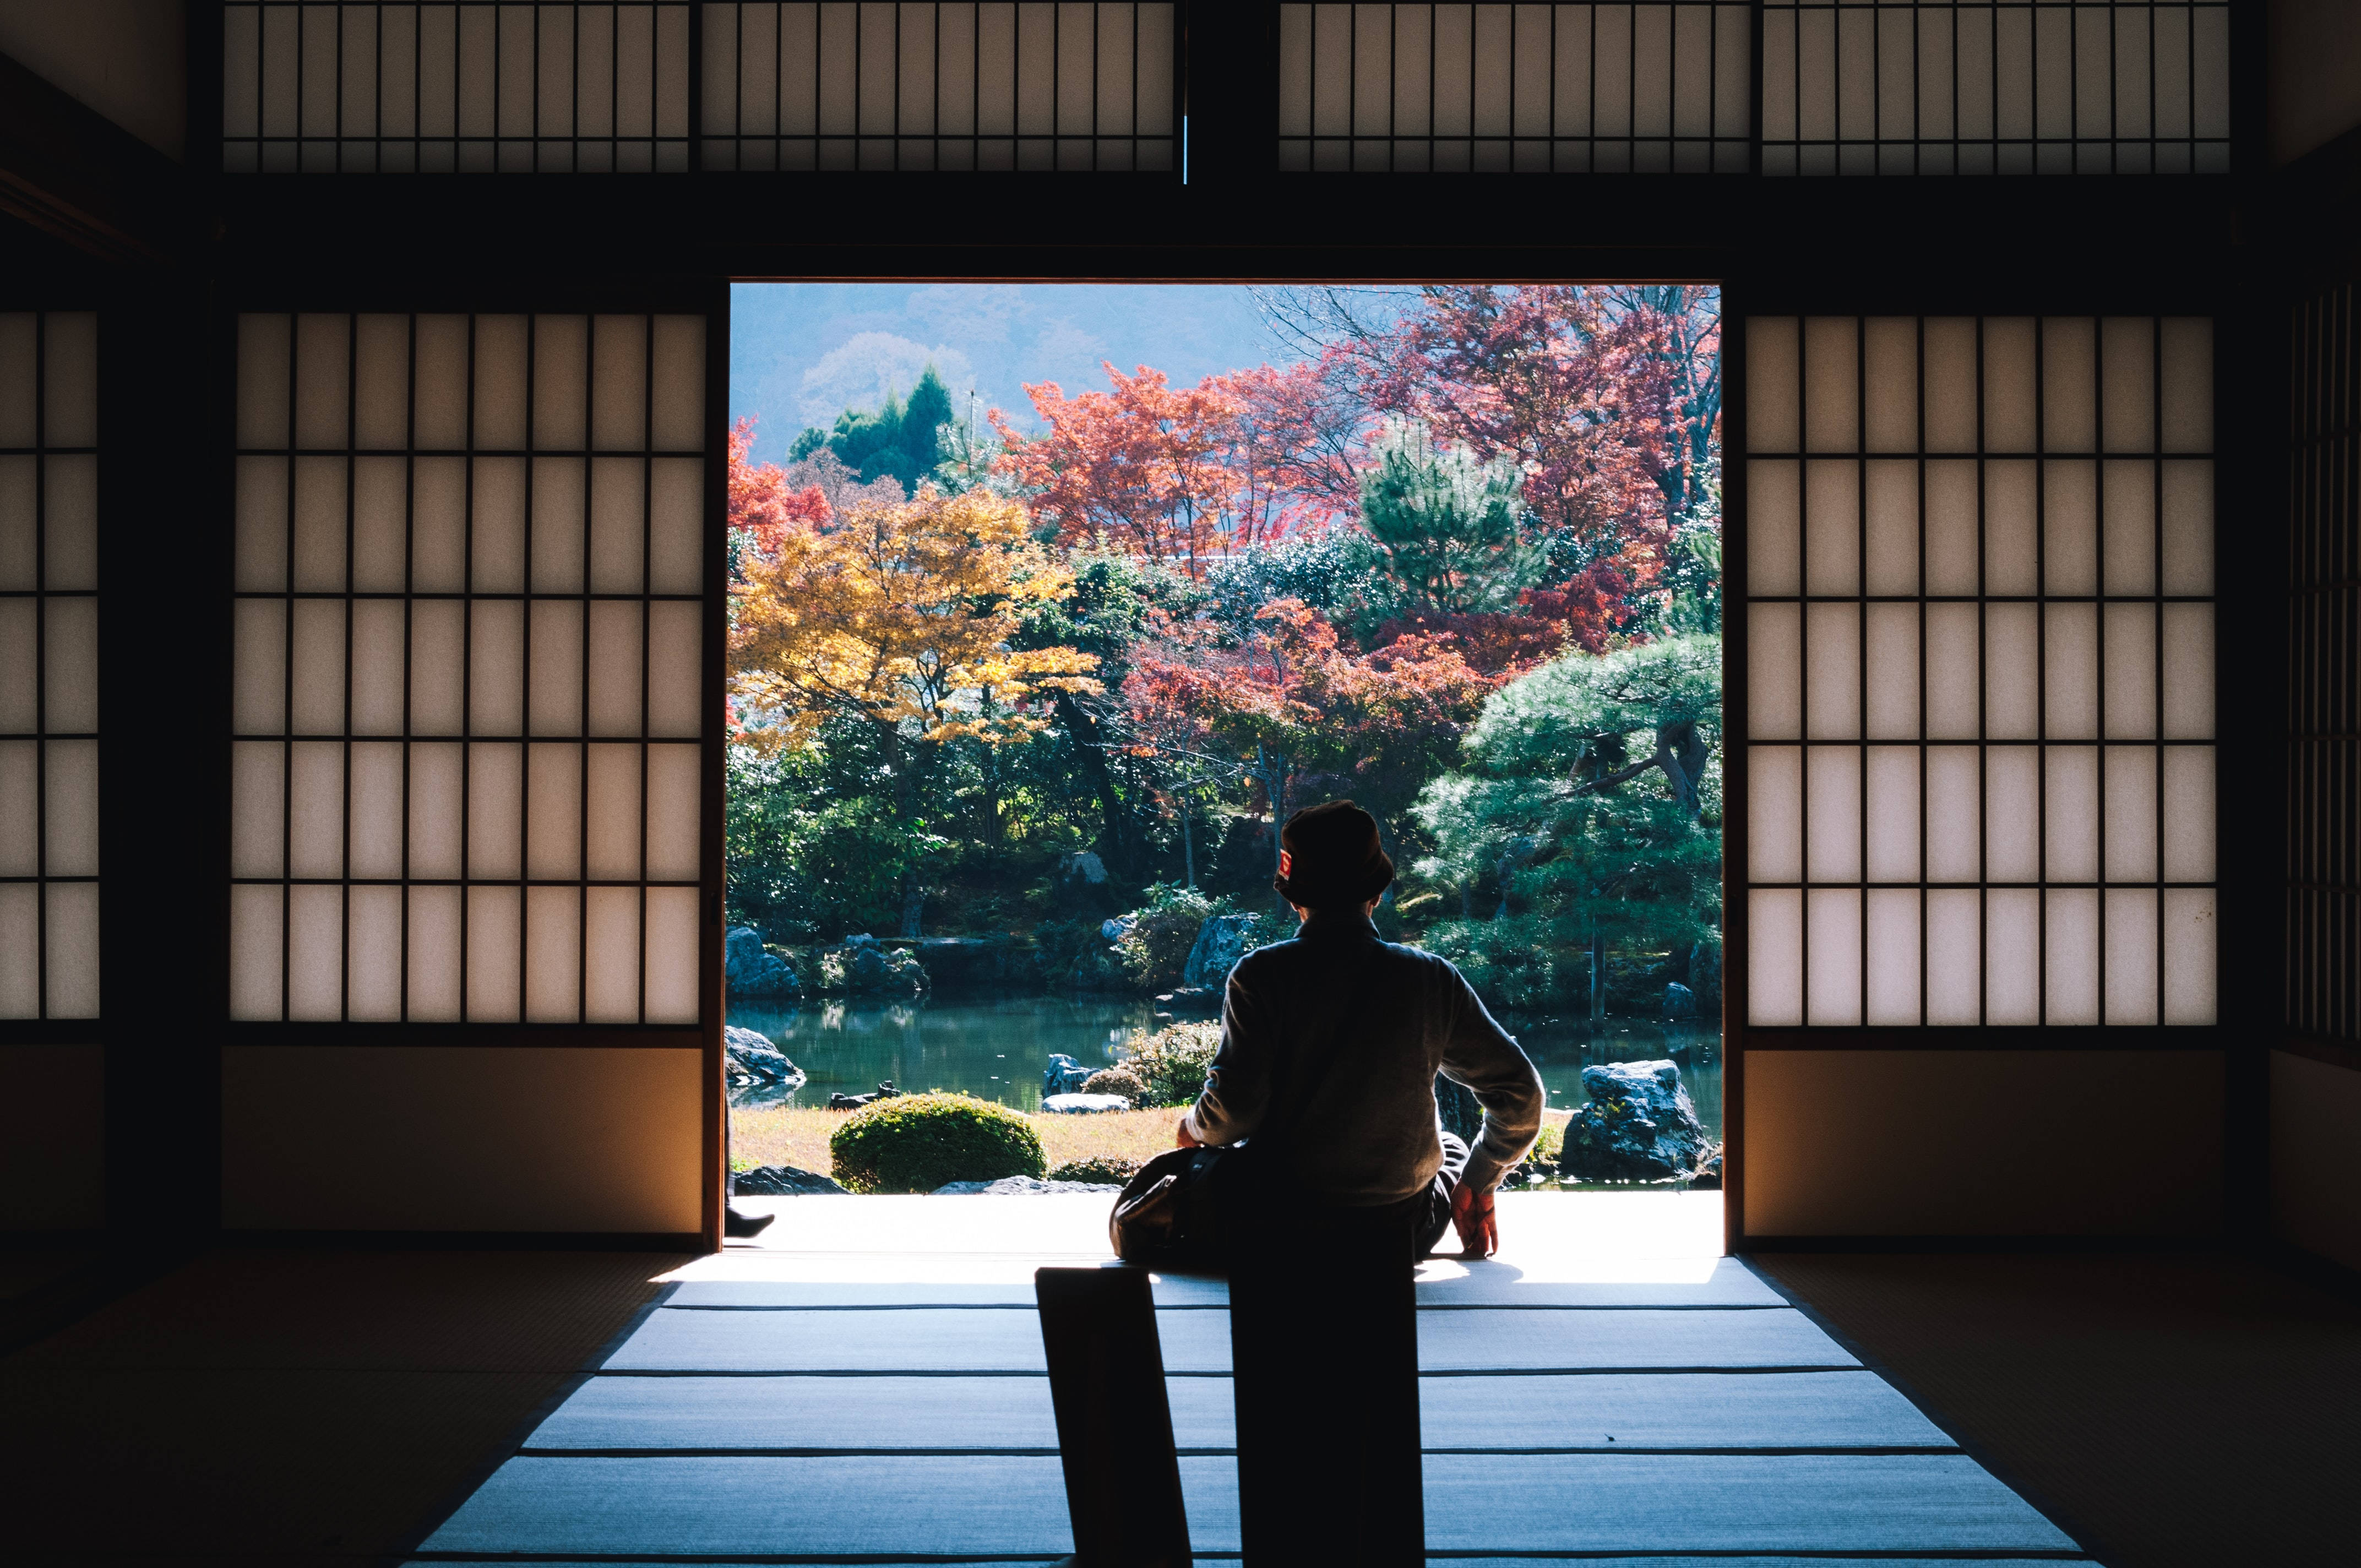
(868, 1386)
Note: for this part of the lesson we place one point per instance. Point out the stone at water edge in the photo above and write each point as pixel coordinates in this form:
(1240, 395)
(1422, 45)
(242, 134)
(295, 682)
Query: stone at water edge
(1220, 942)
(1010, 1186)
(753, 1059)
(1639, 1125)
(1084, 1104)
(784, 1182)
(1063, 1076)
(1680, 1001)
(749, 971)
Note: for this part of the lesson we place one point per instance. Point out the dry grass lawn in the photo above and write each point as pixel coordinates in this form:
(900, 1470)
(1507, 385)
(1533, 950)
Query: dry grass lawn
(780, 1135)
(792, 1135)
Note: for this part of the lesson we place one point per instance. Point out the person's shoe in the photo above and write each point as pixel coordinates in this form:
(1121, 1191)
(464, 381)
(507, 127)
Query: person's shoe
(738, 1224)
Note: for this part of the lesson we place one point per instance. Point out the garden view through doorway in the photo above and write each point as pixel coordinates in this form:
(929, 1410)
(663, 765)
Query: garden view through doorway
(1048, 601)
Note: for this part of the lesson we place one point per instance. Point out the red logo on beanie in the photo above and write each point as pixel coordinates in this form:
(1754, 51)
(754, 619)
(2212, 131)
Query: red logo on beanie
(1285, 864)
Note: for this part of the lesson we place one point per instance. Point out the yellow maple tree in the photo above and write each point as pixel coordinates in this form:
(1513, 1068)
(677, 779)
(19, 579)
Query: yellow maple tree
(900, 617)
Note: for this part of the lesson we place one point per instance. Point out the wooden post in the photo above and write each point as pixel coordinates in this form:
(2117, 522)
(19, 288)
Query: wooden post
(1324, 1348)
(1114, 1424)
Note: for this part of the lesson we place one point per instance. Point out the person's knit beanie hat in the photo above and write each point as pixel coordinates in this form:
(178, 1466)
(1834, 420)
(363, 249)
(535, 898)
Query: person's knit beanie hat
(1329, 857)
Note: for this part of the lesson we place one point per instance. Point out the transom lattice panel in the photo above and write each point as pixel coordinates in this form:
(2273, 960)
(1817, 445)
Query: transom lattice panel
(2323, 916)
(469, 87)
(941, 86)
(1594, 89)
(469, 701)
(49, 665)
(1980, 663)
(1995, 87)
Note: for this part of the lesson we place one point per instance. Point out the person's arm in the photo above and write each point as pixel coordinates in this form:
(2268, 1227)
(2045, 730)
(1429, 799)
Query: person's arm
(1479, 1054)
(1237, 1087)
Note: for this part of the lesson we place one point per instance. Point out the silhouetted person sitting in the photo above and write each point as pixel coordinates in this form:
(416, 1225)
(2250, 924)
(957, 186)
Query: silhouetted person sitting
(1331, 1041)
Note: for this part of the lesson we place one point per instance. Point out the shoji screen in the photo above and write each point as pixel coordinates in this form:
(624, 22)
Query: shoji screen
(1980, 774)
(941, 86)
(1581, 89)
(468, 702)
(1996, 86)
(49, 665)
(480, 87)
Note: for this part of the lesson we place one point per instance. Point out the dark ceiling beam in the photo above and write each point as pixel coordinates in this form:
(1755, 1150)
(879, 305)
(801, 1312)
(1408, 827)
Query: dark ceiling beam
(71, 173)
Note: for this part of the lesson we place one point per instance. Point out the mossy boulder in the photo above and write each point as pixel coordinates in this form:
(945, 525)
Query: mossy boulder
(916, 1143)
(1099, 1170)
(1118, 1080)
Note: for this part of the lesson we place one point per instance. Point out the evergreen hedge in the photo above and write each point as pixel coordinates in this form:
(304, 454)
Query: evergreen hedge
(915, 1142)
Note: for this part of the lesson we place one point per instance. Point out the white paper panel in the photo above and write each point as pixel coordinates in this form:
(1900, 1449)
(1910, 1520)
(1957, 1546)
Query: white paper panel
(434, 954)
(1774, 663)
(672, 977)
(615, 667)
(315, 954)
(2131, 656)
(382, 383)
(320, 510)
(613, 916)
(1831, 526)
(20, 522)
(676, 838)
(619, 392)
(2187, 527)
(495, 983)
(1832, 672)
(264, 346)
(552, 954)
(258, 702)
(373, 953)
(438, 525)
(496, 667)
(20, 818)
(1774, 526)
(1831, 384)
(2069, 526)
(1953, 551)
(2187, 348)
(2008, 380)
(19, 666)
(2188, 959)
(614, 813)
(2131, 955)
(1774, 813)
(1892, 563)
(560, 503)
(676, 668)
(1951, 372)
(1954, 956)
(1954, 813)
(2188, 672)
(1775, 966)
(2069, 392)
(2012, 956)
(561, 388)
(377, 662)
(501, 352)
(497, 542)
(2070, 942)
(2129, 383)
(556, 702)
(439, 402)
(437, 797)
(1773, 422)
(678, 418)
(2071, 671)
(677, 555)
(376, 813)
(20, 950)
(2011, 534)
(323, 379)
(69, 669)
(1834, 959)
(319, 668)
(315, 816)
(618, 520)
(1892, 956)
(438, 663)
(2013, 814)
(2070, 813)
(2012, 672)
(73, 949)
(1890, 345)
(1892, 672)
(553, 812)
(255, 926)
(1833, 826)
(2130, 809)
(72, 808)
(70, 524)
(495, 809)
(2189, 813)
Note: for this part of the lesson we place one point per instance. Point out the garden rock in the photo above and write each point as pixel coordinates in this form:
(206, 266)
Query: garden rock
(864, 967)
(753, 1059)
(1680, 1001)
(752, 971)
(1117, 929)
(1065, 1076)
(1010, 1186)
(1456, 1105)
(1639, 1126)
(1222, 941)
(885, 1091)
(1084, 1104)
(784, 1182)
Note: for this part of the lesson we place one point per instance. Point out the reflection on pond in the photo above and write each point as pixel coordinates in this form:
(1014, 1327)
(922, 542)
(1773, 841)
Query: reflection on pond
(996, 1048)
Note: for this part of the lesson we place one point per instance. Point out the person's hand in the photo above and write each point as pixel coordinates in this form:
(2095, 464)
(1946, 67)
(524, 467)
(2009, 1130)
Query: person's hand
(1183, 1138)
(1478, 1227)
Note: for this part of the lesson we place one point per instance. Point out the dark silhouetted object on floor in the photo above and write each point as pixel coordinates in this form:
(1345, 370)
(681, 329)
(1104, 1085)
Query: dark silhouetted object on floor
(1114, 1424)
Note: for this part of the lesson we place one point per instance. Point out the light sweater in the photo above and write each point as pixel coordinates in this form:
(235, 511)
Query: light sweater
(1368, 1134)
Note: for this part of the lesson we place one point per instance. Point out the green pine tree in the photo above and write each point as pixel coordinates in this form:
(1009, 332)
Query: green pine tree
(1445, 526)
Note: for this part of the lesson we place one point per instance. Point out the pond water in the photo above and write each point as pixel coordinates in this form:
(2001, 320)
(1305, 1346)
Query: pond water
(996, 1048)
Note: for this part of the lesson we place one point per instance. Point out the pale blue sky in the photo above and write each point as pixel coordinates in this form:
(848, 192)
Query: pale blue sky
(801, 352)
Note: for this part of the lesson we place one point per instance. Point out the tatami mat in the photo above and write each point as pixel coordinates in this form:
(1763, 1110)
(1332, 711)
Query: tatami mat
(1606, 1387)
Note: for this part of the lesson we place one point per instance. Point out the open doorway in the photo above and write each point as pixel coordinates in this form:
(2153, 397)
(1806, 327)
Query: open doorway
(1049, 600)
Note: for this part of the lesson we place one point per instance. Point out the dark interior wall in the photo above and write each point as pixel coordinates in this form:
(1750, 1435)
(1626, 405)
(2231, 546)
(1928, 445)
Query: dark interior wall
(2315, 81)
(127, 60)
(1836, 1142)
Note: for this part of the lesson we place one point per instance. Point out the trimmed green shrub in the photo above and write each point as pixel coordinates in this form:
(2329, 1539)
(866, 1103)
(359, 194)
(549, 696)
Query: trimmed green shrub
(1155, 951)
(1118, 1080)
(915, 1142)
(1172, 1061)
(1105, 1170)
